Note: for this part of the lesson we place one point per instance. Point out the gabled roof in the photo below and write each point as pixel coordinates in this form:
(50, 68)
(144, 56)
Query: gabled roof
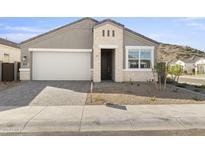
(192, 59)
(109, 20)
(8, 43)
(174, 61)
(140, 35)
(97, 23)
(86, 18)
(127, 29)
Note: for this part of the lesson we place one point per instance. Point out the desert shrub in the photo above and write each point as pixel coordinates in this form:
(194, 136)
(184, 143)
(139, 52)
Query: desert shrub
(202, 86)
(196, 86)
(175, 71)
(98, 98)
(197, 90)
(152, 99)
(182, 85)
(196, 98)
(170, 81)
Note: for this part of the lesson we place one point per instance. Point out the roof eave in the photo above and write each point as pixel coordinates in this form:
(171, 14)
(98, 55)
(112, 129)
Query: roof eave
(140, 35)
(53, 30)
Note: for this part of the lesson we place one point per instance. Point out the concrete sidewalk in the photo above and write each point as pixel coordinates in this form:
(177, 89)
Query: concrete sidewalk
(195, 80)
(100, 118)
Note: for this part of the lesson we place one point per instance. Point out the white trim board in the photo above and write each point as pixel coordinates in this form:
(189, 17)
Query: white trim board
(108, 46)
(139, 47)
(138, 70)
(59, 50)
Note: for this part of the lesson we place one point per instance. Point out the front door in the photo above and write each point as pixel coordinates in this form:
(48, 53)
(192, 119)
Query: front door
(106, 65)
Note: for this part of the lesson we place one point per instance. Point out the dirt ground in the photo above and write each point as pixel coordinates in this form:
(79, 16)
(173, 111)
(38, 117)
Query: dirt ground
(6, 85)
(140, 93)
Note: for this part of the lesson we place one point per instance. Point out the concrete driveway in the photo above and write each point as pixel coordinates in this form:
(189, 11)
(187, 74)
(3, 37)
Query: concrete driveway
(46, 93)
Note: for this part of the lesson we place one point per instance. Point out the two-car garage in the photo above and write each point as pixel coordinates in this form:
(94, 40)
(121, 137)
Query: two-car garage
(62, 64)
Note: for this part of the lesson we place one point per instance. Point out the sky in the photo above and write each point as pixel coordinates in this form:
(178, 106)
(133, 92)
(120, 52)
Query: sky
(181, 31)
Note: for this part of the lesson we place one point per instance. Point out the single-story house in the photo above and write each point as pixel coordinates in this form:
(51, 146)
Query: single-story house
(9, 51)
(88, 49)
(191, 65)
(178, 62)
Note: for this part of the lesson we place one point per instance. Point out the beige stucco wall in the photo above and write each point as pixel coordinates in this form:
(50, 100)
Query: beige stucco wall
(14, 53)
(78, 35)
(101, 42)
(131, 39)
(85, 35)
(75, 36)
(137, 76)
(24, 74)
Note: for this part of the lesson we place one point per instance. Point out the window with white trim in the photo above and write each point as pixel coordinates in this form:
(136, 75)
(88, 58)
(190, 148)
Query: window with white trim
(145, 58)
(139, 58)
(133, 58)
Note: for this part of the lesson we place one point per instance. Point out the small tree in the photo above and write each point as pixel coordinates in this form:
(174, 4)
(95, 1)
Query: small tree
(162, 72)
(175, 71)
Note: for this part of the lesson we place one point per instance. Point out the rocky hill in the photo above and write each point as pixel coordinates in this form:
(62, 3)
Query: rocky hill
(168, 52)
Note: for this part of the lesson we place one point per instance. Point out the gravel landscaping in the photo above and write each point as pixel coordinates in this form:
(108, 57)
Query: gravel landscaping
(140, 93)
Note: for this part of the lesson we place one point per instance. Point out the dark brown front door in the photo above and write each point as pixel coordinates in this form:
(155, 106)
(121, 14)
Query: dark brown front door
(7, 71)
(106, 65)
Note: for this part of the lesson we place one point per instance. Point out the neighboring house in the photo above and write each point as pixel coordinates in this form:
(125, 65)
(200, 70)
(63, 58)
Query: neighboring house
(89, 50)
(192, 65)
(9, 51)
(178, 62)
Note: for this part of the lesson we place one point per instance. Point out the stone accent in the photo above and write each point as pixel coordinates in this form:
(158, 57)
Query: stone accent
(24, 73)
(109, 41)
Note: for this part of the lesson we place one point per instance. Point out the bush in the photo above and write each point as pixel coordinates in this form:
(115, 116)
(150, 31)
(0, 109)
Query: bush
(175, 71)
(152, 99)
(182, 85)
(197, 90)
(196, 98)
(170, 81)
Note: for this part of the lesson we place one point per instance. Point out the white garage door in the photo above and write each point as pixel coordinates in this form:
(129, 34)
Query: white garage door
(61, 66)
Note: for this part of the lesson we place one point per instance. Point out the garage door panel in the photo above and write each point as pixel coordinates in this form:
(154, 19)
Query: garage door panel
(61, 66)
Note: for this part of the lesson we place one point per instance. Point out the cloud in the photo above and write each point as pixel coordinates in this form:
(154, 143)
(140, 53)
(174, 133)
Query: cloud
(193, 22)
(25, 29)
(192, 18)
(19, 33)
(18, 37)
(196, 25)
(156, 36)
(30, 29)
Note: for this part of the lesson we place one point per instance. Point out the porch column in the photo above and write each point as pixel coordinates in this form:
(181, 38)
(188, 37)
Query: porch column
(196, 70)
(96, 64)
(118, 64)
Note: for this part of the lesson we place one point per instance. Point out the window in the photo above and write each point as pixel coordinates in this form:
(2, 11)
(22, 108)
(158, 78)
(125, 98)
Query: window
(139, 58)
(103, 33)
(113, 33)
(145, 58)
(108, 33)
(6, 58)
(133, 59)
